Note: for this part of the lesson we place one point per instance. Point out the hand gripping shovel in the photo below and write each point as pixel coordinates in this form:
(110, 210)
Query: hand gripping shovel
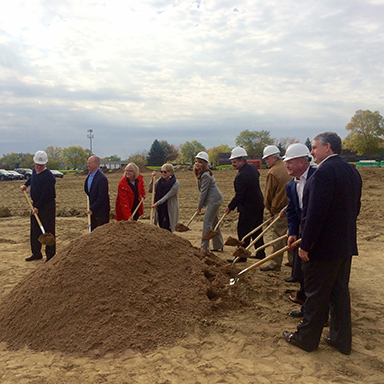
(45, 238)
(270, 257)
(262, 247)
(184, 228)
(241, 252)
(235, 243)
(211, 234)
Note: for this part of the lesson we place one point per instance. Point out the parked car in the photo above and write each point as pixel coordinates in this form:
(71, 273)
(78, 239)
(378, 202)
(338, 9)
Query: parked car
(5, 175)
(26, 172)
(57, 173)
(16, 175)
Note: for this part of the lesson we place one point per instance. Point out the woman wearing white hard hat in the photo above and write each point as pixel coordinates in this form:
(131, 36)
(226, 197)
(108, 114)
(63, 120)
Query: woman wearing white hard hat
(43, 196)
(210, 197)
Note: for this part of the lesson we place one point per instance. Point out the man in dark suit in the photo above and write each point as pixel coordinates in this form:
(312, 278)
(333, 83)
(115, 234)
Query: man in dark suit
(96, 187)
(297, 163)
(248, 200)
(331, 204)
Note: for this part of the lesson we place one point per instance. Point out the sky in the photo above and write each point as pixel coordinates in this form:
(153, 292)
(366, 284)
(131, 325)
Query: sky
(205, 70)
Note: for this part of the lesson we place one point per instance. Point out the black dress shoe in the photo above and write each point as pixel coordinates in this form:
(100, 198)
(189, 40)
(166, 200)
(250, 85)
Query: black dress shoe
(327, 339)
(291, 280)
(288, 264)
(268, 269)
(33, 257)
(241, 260)
(296, 314)
(290, 338)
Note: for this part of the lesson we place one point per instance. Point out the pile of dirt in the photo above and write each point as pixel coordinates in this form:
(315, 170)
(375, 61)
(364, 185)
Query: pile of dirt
(126, 285)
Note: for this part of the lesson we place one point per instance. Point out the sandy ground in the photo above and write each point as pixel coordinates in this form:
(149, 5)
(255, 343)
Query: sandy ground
(242, 346)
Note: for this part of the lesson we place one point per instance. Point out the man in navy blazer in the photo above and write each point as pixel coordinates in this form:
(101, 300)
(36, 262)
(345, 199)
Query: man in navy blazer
(96, 187)
(331, 204)
(297, 163)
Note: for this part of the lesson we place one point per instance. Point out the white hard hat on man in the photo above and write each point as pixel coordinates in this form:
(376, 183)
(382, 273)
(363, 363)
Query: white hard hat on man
(238, 152)
(270, 150)
(295, 151)
(40, 158)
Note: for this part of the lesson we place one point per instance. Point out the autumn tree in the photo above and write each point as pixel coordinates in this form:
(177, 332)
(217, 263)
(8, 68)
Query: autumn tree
(171, 152)
(10, 160)
(254, 141)
(75, 157)
(189, 150)
(139, 158)
(213, 153)
(283, 142)
(54, 157)
(366, 133)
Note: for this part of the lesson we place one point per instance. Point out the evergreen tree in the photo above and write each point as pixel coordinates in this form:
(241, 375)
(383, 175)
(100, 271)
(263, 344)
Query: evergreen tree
(156, 155)
(308, 143)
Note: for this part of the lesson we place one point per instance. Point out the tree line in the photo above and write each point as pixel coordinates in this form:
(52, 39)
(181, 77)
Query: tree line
(366, 137)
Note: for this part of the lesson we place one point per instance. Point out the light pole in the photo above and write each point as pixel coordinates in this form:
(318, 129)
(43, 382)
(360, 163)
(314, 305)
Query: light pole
(90, 137)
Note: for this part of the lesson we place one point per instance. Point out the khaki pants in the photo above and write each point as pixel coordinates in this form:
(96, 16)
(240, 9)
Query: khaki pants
(280, 229)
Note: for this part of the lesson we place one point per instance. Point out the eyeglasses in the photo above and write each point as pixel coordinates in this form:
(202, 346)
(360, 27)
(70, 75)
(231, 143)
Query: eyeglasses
(163, 171)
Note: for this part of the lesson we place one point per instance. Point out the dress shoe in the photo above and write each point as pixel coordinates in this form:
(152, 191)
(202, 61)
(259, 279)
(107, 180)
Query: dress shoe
(241, 260)
(296, 300)
(290, 280)
(327, 339)
(268, 269)
(217, 250)
(290, 338)
(296, 314)
(33, 257)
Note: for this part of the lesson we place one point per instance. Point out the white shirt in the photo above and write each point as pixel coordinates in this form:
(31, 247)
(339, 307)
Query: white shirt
(300, 184)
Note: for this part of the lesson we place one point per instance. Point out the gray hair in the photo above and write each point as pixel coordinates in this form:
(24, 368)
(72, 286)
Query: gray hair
(332, 138)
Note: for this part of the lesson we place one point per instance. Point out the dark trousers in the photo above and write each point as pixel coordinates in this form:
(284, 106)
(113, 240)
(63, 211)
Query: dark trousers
(97, 221)
(247, 222)
(47, 216)
(326, 287)
(163, 218)
(297, 273)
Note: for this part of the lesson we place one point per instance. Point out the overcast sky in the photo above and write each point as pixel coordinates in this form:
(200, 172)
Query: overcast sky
(205, 70)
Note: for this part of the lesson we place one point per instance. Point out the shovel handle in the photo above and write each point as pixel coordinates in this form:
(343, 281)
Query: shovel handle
(137, 208)
(88, 215)
(262, 233)
(151, 219)
(193, 216)
(35, 214)
(257, 228)
(268, 244)
(220, 221)
(270, 257)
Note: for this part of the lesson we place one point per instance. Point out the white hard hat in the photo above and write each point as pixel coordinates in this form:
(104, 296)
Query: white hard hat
(238, 152)
(296, 150)
(270, 150)
(203, 156)
(40, 158)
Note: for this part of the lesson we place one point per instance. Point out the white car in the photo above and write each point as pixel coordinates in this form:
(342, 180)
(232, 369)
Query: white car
(57, 173)
(16, 175)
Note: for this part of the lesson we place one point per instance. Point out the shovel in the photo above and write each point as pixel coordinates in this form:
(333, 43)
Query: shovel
(184, 228)
(212, 233)
(45, 238)
(234, 242)
(137, 208)
(262, 247)
(270, 257)
(88, 215)
(241, 252)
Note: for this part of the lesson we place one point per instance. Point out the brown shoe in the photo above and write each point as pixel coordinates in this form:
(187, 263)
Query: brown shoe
(296, 300)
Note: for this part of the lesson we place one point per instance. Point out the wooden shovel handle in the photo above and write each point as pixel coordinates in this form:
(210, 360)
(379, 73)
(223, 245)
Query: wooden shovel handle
(151, 218)
(220, 221)
(35, 214)
(88, 215)
(262, 233)
(270, 257)
(137, 208)
(193, 216)
(268, 244)
(257, 228)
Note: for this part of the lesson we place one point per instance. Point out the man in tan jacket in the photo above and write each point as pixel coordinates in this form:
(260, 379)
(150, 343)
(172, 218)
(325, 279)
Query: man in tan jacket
(275, 199)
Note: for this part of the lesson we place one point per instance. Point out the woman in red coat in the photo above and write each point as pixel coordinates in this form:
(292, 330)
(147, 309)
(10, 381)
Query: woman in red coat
(129, 194)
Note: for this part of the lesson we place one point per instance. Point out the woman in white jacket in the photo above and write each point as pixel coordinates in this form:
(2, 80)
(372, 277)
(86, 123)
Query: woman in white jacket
(210, 197)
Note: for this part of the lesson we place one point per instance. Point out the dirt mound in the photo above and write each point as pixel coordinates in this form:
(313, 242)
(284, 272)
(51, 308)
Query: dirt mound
(127, 285)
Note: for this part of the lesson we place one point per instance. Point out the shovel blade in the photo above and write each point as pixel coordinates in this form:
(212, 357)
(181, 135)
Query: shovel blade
(209, 235)
(181, 228)
(231, 241)
(241, 252)
(47, 239)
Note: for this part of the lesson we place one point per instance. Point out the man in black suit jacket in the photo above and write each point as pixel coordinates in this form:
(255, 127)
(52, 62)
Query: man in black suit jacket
(331, 204)
(96, 187)
(248, 200)
(297, 163)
